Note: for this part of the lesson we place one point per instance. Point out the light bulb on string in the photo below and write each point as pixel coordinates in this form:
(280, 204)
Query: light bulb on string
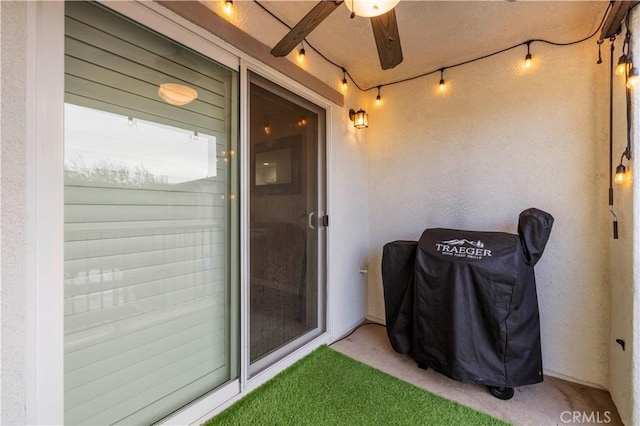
(301, 54)
(344, 80)
(378, 99)
(633, 78)
(228, 7)
(621, 68)
(625, 62)
(441, 85)
(527, 59)
(621, 173)
(267, 126)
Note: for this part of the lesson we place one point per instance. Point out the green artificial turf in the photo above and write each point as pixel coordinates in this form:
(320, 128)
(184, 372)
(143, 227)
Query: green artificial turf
(328, 388)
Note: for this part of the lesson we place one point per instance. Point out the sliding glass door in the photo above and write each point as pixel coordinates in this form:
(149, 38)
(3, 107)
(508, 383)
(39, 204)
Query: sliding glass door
(151, 222)
(286, 222)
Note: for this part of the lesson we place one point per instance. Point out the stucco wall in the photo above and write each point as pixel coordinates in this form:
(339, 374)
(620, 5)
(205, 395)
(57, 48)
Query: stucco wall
(622, 252)
(632, 396)
(349, 214)
(498, 141)
(13, 212)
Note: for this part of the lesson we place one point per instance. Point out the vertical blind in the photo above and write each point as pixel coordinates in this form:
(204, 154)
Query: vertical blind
(149, 301)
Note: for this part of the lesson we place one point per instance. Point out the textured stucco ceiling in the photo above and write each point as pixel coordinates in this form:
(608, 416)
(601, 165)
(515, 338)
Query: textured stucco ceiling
(434, 34)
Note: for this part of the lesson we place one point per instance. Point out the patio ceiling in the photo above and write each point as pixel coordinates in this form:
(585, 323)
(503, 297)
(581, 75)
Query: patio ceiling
(436, 34)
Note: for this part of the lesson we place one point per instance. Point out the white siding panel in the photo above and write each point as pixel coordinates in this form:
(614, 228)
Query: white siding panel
(112, 246)
(90, 347)
(75, 213)
(115, 96)
(137, 393)
(97, 195)
(116, 279)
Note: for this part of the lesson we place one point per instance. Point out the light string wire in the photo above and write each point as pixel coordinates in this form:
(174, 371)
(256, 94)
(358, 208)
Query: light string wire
(340, 67)
(459, 64)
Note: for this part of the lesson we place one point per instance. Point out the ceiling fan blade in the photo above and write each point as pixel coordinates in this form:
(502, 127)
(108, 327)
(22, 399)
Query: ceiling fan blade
(304, 27)
(385, 30)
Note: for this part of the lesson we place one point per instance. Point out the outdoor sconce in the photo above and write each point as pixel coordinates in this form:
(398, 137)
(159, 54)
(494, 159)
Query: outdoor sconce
(360, 118)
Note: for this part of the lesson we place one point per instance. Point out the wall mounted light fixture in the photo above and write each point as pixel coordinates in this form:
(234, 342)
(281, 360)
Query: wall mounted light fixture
(360, 118)
(177, 94)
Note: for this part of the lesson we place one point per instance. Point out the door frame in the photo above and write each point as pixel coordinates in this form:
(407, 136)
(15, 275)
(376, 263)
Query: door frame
(45, 201)
(321, 201)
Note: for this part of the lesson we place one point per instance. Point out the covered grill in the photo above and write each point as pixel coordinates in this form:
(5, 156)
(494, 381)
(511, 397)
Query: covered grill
(474, 311)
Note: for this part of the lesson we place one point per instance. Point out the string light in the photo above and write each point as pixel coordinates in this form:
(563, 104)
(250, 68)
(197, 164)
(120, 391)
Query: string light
(621, 172)
(131, 122)
(378, 99)
(344, 80)
(632, 79)
(441, 84)
(228, 7)
(625, 59)
(301, 54)
(195, 135)
(527, 59)
(621, 68)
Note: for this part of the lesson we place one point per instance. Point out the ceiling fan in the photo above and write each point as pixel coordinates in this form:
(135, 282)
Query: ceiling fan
(383, 23)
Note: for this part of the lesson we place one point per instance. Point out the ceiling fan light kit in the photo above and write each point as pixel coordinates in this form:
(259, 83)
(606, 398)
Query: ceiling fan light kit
(369, 8)
(383, 24)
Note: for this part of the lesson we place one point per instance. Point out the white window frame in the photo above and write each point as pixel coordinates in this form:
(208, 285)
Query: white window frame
(45, 213)
(45, 204)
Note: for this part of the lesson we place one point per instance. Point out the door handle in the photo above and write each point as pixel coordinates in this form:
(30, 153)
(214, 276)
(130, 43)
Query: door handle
(311, 216)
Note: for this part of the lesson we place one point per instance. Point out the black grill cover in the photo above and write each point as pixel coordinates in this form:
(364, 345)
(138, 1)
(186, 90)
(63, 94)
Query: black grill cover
(476, 308)
(398, 266)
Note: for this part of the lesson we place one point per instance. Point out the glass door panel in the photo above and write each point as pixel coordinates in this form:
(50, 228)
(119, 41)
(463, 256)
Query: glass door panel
(151, 222)
(285, 204)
